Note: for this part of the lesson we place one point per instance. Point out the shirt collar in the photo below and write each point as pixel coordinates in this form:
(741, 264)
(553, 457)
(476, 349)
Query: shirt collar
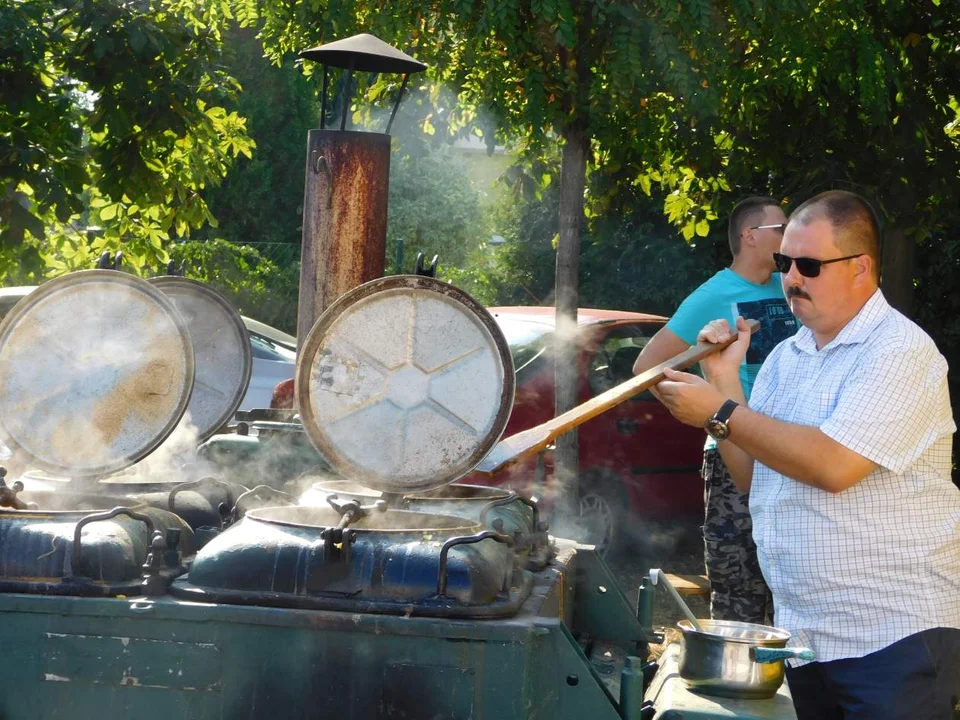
(857, 330)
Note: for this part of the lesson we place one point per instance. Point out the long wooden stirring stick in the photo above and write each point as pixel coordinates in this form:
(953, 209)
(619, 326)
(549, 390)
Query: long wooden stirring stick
(529, 442)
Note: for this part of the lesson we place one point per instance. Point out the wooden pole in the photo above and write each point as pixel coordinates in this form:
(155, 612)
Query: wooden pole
(567, 282)
(897, 266)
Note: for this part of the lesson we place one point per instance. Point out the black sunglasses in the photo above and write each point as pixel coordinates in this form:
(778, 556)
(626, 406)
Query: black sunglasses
(808, 267)
(780, 227)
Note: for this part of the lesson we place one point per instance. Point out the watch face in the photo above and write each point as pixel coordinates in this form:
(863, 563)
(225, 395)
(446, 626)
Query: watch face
(717, 429)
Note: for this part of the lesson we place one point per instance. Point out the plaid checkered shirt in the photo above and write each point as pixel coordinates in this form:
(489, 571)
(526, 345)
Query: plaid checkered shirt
(855, 571)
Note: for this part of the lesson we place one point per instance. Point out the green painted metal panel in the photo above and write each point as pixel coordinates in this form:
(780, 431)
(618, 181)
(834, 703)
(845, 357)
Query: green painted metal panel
(115, 658)
(601, 610)
(130, 661)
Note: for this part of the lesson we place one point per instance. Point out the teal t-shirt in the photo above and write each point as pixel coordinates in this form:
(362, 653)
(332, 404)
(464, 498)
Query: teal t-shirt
(727, 295)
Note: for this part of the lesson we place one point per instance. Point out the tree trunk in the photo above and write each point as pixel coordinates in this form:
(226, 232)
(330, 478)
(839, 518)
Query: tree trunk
(897, 270)
(572, 183)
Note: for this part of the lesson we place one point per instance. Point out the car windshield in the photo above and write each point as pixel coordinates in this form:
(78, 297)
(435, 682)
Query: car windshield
(264, 349)
(529, 344)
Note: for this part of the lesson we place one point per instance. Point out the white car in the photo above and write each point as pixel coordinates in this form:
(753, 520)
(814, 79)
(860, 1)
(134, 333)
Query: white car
(274, 352)
(274, 360)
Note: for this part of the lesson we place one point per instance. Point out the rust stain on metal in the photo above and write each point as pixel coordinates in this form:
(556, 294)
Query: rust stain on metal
(345, 218)
(147, 395)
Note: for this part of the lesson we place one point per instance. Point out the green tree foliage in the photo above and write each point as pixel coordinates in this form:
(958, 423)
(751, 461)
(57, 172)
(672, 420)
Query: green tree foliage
(260, 199)
(254, 284)
(847, 94)
(434, 208)
(109, 117)
(632, 258)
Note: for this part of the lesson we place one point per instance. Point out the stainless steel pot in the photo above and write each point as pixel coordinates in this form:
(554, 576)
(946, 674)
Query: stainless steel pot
(735, 659)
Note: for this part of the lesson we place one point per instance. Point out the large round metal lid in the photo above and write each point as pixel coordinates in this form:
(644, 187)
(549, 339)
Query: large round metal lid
(404, 384)
(223, 357)
(96, 369)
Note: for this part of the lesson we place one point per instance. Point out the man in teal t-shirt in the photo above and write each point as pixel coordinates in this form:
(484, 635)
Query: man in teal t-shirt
(750, 288)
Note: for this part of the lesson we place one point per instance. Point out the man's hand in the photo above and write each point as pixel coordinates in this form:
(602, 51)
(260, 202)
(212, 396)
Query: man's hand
(724, 365)
(690, 399)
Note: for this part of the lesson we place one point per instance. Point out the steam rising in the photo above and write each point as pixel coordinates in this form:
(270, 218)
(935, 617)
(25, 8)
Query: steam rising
(177, 454)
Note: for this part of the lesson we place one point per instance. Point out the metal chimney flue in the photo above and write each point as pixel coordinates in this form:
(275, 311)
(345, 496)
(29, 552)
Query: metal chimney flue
(347, 182)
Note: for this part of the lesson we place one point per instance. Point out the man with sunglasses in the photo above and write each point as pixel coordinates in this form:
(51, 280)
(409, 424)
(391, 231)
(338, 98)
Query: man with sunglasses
(845, 450)
(747, 288)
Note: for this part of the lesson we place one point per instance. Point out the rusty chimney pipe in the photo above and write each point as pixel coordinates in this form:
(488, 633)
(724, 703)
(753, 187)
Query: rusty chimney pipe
(347, 180)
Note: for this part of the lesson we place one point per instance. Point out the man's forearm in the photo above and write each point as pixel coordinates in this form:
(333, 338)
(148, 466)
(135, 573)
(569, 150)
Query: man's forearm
(801, 452)
(739, 463)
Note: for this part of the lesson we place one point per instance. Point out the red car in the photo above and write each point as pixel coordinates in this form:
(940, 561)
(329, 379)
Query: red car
(634, 459)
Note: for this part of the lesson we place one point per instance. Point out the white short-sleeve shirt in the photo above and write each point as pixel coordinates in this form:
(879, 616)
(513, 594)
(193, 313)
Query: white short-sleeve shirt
(854, 572)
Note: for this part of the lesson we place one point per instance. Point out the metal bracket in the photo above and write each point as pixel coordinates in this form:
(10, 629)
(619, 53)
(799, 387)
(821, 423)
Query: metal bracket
(8, 493)
(337, 545)
(430, 271)
(153, 583)
(601, 610)
(172, 269)
(104, 262)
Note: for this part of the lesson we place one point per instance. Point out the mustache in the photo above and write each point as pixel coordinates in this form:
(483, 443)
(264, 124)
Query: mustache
(795, 291)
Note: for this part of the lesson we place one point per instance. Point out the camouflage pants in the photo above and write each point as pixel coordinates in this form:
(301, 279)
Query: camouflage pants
(738, 591)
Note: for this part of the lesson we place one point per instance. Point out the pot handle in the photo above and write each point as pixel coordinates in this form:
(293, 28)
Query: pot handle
(464, 540)
(772, 655)
(108, 515)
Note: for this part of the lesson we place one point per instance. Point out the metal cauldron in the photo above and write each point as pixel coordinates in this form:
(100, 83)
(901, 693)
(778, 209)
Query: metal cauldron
(735, 659)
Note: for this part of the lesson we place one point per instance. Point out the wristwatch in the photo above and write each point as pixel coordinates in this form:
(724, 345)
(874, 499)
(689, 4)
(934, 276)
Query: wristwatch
(716, 426)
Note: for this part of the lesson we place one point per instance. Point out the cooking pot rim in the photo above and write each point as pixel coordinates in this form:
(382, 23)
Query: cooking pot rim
(484, 493)
(287, 516)
(772, 634)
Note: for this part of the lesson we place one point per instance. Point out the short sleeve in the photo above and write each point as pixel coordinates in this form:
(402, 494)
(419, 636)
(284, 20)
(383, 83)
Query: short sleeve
(893, 407)
(694, 313)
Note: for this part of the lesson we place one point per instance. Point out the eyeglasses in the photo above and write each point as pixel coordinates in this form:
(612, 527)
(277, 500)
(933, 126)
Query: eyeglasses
(808, 267)
(779, 227)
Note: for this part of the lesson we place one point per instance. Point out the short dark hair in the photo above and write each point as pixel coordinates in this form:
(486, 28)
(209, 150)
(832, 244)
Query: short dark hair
(855, 224)
(746, 211)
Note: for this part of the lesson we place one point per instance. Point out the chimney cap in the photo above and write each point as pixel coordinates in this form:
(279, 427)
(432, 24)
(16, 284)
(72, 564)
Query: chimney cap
(367, 53)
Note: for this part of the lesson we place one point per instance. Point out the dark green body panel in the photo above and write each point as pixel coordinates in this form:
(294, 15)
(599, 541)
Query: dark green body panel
(163, 658)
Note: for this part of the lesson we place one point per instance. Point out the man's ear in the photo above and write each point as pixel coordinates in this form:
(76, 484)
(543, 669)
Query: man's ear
(746, 238)
(863, 272)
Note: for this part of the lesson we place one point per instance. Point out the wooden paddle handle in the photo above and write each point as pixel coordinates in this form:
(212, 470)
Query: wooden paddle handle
(526, 443)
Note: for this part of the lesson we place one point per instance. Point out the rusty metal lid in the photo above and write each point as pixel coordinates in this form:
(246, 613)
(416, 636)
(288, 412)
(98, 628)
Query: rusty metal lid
(221, 348)
(404, 384)
(96, 369)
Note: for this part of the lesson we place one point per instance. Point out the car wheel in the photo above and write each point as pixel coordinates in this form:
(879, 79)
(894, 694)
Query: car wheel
(602, 510)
